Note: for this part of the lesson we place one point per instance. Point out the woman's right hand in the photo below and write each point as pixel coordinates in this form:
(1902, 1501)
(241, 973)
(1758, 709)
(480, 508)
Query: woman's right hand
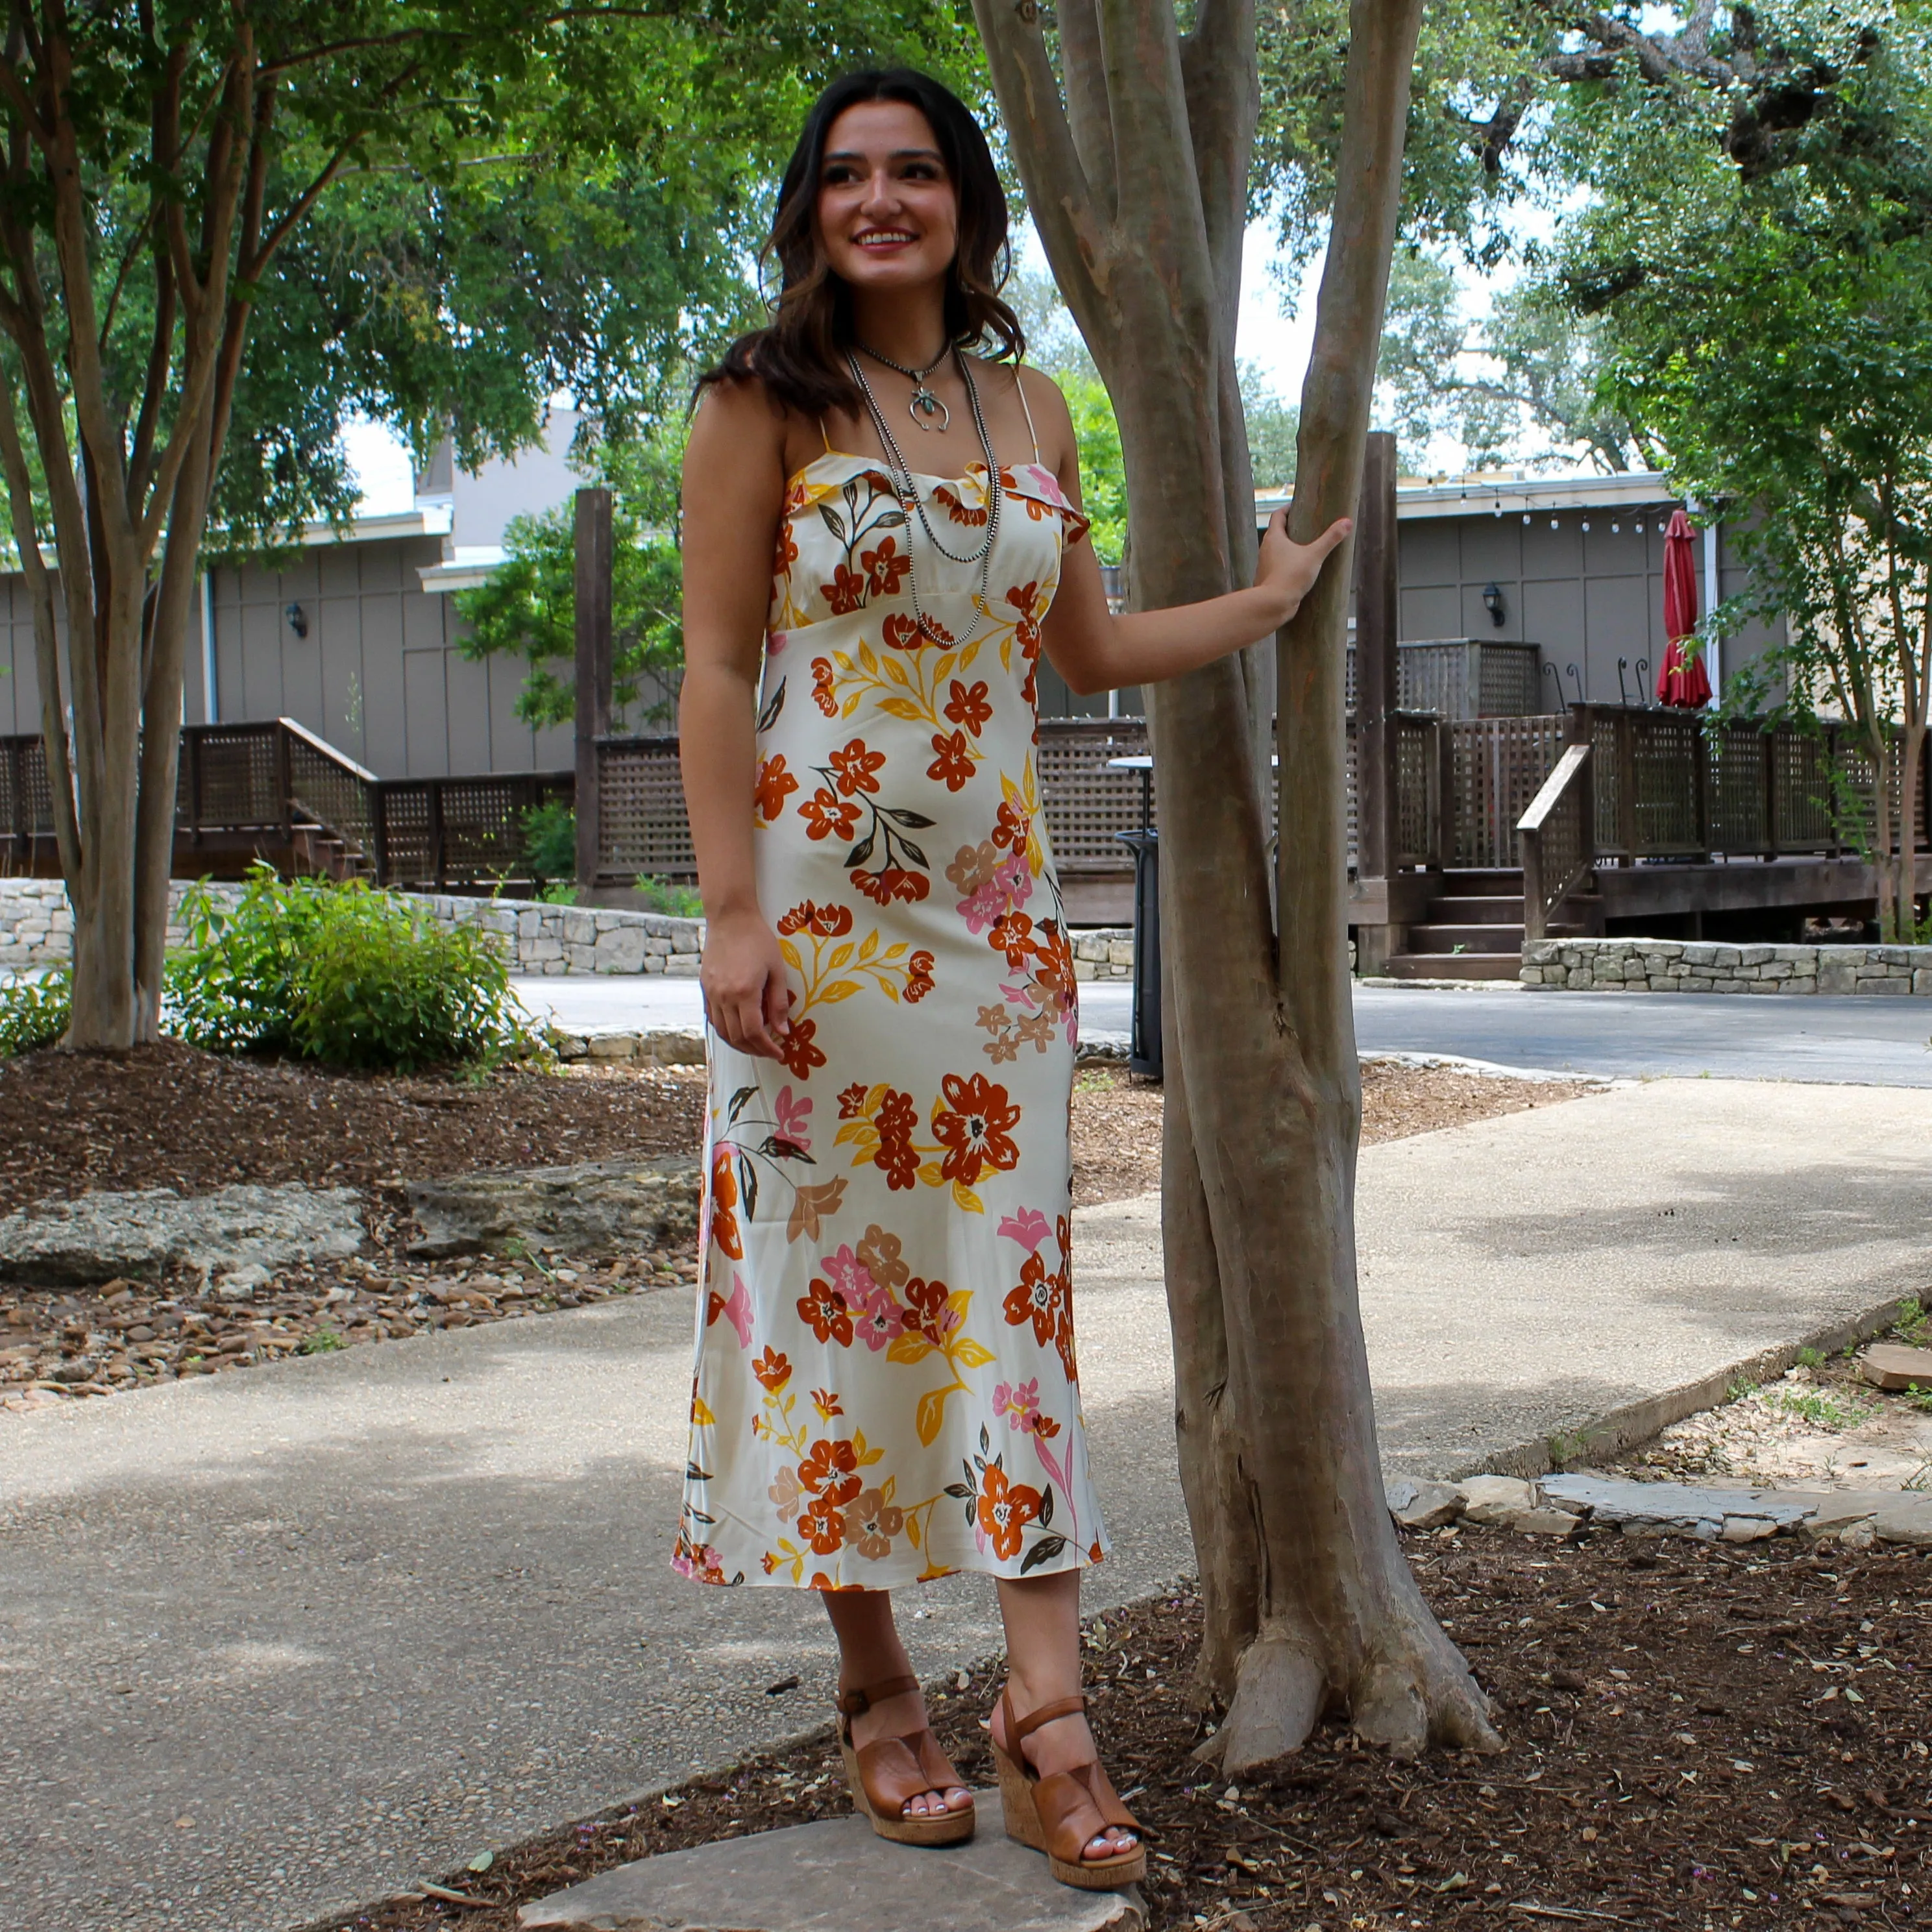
(743, 976)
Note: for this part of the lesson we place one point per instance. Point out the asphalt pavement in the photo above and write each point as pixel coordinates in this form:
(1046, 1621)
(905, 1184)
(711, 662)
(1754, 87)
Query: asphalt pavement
(1866, 1041)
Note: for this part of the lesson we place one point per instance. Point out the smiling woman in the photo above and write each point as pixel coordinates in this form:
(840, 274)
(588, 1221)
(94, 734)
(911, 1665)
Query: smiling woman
(883, 537)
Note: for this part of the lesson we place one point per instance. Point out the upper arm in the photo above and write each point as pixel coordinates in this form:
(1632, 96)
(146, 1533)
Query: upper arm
(734, 490)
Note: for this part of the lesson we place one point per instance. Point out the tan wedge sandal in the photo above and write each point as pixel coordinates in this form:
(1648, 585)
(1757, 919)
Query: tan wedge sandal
(887, 1772)
(1054, 1814)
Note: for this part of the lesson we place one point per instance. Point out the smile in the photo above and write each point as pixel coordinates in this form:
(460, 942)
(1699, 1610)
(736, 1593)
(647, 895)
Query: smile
(884, 237)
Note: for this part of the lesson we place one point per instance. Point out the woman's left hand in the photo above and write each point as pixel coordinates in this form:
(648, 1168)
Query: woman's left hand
(1289, 569)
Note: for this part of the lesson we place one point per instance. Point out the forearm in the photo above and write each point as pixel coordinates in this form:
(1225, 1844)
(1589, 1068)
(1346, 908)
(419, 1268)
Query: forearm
(718, 751)
(1146, 646)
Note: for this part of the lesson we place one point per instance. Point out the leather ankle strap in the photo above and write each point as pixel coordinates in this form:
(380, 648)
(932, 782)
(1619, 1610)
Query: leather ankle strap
(855, 1703)
(1045, 1714)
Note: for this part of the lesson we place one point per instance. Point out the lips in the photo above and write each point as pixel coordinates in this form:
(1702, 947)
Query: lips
(884, 237)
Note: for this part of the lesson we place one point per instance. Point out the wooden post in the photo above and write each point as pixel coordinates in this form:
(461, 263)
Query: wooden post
(1377, 691)
(1378, 823)
(593, 668)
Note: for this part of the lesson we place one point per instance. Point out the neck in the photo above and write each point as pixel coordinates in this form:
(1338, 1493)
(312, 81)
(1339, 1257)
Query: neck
(908, 325)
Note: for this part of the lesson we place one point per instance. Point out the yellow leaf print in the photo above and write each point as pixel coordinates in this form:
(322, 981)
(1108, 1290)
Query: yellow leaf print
(970, 1354)
(908, 1348)
(700, 1412)
(930, 1413)
(963, 1196)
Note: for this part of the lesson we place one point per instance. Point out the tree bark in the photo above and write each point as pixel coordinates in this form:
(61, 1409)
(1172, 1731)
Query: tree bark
(1310, 1609)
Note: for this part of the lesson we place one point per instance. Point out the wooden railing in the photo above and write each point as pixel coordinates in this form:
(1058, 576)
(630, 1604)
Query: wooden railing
(1557, 844)
(275, 790)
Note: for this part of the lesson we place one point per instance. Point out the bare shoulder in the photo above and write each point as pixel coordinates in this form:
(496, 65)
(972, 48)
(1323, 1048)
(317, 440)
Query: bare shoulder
(740, 429)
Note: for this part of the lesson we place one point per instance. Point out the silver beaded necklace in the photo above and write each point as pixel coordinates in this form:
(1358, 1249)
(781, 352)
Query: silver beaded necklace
(901, 475)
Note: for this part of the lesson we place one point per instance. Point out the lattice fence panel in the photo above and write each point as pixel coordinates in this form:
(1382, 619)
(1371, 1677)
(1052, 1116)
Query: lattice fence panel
(483, 836)
(408, 844)
(26, 801)
(1509, 680)
(1086, 804)
(1499, 766)
(1606, 781)
(1416, 784)
(239, 785)
(641, 822)
(1667, 749)
(331, 791)
(1740, 755)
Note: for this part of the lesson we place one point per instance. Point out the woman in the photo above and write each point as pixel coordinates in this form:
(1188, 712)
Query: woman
(887, 1388)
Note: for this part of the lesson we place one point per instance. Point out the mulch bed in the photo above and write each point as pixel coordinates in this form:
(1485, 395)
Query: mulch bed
(1697, 1736)
(169, 1116)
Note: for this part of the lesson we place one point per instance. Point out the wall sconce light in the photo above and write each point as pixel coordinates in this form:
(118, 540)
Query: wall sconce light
(298, 619)
(1492, 602)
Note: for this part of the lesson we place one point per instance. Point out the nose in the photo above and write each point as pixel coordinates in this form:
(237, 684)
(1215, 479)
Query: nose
(881, 197)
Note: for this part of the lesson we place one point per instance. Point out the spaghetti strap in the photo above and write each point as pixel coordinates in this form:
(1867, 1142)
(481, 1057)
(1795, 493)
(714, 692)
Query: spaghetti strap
(1031, 430)
(823, 438)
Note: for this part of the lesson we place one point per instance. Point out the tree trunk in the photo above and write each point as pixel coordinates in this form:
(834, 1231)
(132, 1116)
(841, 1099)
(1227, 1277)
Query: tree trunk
(1310, 1609)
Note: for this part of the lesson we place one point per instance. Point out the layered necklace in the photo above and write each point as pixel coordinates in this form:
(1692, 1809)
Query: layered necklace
(903, 479)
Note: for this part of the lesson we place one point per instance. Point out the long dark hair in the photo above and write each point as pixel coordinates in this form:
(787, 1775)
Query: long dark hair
(800, 355)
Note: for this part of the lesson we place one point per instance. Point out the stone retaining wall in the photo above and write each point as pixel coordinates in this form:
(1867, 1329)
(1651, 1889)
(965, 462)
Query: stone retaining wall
(1103, 953)
(1696, 966)
(37, 929)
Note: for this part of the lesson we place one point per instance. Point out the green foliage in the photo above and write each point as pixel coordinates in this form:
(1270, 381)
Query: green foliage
(1810, 1358)
(667, 896)
(320, 1342)
(529, 607)
(34, 1013)
(1273, 427)
(1913, 1322)
(549, 842)
(341, 973)
(1819, 1407)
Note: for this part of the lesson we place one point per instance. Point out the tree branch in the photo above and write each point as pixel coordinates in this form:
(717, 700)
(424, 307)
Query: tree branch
(1089, 115)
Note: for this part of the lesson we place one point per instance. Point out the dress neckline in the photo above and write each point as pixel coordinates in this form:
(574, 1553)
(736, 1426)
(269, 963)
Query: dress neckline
(879, 464)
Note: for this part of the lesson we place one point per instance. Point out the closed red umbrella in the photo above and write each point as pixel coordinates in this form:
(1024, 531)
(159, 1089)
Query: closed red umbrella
(1682, 680)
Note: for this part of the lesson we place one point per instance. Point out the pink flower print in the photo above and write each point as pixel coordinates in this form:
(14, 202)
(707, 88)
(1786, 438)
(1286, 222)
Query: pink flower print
(785, 1493)
(737, 1311)
(987, 903)
(1018, 1402)
(850, 1276)
(1016, 877)
(1029, 1227)
(790, 1116)
(878, 1320)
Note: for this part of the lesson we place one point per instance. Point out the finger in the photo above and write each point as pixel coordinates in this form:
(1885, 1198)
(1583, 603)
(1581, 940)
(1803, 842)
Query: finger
(777, 1003)
(1335, 535)
(751, 1019)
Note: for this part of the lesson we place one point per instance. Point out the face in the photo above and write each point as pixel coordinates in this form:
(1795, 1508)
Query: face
(888, 212)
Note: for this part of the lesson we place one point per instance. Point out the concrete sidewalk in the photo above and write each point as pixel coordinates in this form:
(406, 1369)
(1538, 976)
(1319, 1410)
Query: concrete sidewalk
(279, 1641)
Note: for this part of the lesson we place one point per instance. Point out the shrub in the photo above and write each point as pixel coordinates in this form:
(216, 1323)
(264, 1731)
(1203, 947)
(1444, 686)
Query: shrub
(341, 973)
(550, 844)
(34, 1013)
(667, 896)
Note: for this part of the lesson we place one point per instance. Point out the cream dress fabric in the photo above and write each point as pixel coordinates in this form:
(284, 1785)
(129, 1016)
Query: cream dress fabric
(886, 1387)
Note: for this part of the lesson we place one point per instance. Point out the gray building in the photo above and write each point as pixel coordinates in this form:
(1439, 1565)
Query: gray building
(354, 635)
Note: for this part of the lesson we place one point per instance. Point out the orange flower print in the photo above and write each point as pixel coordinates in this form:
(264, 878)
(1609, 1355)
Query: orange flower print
(775, 784)
(902, 633)
(830, 1472)
(853, 767)
(827, 1404)
(895, 1120)
(892, 882)
(1012, 934)
(884, 568)
(1039, 1298)
(871, 1523)
(967, 706)
(823, 1310)
(1006, 1508)
(926, 1312)
(772, 1370)
(974, 1126)
(961, 512)
(787, 550)
(828, 816)
(919, 978)
(1011, 825)
(798, 1050)
(823, 1526)
(822, 692)
(954, 765)
(846, 592)
(852, 1098)
(828, 921)
(724, 1200)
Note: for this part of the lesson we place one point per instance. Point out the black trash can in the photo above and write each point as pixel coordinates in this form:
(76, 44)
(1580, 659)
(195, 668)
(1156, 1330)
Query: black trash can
(1144, 1048)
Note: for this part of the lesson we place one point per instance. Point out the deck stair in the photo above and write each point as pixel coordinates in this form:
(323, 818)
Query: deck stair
(1473, 929)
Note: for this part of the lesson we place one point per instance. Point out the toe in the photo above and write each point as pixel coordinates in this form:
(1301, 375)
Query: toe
(958, 1798)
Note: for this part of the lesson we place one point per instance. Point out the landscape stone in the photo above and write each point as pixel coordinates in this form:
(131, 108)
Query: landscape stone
(96, 1237)
(1887, 1365)
(839, 1876)
(1904, 1518)
(1542, 1522)
(1423, 1505)
(595, 1207)
(1681, 1509)
(1492, 1499)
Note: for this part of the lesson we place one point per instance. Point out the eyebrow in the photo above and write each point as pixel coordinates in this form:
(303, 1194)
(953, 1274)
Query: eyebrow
(897, 154)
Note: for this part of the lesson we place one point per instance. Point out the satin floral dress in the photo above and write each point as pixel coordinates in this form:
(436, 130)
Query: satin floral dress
(887, 1385)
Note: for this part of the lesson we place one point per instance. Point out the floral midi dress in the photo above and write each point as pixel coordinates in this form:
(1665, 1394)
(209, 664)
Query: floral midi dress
(887, 1388)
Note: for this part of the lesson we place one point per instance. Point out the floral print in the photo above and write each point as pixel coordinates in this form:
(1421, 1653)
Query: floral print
(885, 1385)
